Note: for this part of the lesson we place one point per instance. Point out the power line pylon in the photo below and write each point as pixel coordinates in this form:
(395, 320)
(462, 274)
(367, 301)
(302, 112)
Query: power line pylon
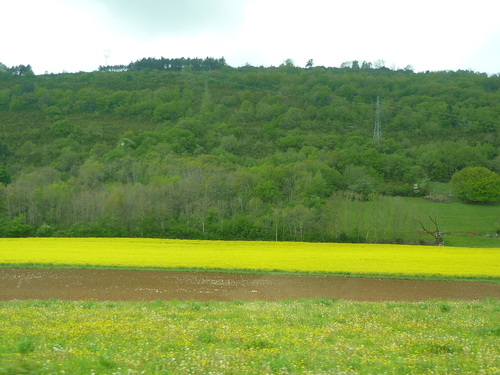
(106, 56)
(377, 133)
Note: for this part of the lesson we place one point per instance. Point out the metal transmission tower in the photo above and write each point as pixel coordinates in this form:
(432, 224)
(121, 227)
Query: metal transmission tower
(106, 56)
(377, 133)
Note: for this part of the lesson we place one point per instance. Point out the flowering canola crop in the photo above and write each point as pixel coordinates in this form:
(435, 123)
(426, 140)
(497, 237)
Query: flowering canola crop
(267, 256)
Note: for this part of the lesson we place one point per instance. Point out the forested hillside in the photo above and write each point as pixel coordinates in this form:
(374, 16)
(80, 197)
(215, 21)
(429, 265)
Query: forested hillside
(191, 148)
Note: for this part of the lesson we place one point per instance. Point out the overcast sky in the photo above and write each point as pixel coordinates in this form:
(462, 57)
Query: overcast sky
(72, 35)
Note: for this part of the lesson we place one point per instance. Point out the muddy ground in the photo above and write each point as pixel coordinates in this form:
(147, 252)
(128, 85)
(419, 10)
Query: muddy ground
(128, 285)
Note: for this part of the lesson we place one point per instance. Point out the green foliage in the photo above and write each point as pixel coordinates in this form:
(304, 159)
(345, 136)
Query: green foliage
(17, 227)
(476, 184)
(4, 176)
(166, 148)
(61, 128)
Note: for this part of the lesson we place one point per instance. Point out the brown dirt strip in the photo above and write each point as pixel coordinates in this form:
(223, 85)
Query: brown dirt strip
(130, 285)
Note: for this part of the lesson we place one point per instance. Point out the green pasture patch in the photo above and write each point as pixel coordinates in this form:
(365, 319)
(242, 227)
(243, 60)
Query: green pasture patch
(471, 241)
(300, 337)
(458, 217)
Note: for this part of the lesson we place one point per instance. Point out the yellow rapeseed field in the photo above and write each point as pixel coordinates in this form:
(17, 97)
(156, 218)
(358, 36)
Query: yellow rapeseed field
(286, 256)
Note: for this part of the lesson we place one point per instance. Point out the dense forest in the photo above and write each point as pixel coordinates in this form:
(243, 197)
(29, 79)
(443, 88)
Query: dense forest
(193, 148)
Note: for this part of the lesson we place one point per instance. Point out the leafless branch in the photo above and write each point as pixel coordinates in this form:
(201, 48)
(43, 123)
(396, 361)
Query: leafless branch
(436, 233)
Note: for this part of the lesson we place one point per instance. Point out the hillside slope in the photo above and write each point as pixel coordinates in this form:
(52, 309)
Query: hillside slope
(250, 153)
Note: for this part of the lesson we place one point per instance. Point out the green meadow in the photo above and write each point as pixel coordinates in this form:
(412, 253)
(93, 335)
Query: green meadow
(319, 336)
(467, 225)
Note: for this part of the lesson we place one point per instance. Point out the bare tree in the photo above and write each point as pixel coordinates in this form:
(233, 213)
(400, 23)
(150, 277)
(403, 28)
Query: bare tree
(434, 233)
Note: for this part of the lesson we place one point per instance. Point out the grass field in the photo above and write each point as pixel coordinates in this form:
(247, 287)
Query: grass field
(320, 336)
(469, 225)
(301, 337)
(458, 217)
(263, 256)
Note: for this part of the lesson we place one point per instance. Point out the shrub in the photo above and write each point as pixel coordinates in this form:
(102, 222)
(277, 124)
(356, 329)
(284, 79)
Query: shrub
(476, 184)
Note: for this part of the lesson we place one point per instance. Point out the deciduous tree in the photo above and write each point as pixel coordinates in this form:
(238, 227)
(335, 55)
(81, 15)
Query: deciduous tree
(476, 184)
(4, 176)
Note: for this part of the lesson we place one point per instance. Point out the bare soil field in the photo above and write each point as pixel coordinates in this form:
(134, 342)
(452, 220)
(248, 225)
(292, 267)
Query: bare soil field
(130, 285)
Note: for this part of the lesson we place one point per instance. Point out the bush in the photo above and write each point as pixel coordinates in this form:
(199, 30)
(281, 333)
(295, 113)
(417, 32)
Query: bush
(45, 230)
(476, 184)
(17, 227)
